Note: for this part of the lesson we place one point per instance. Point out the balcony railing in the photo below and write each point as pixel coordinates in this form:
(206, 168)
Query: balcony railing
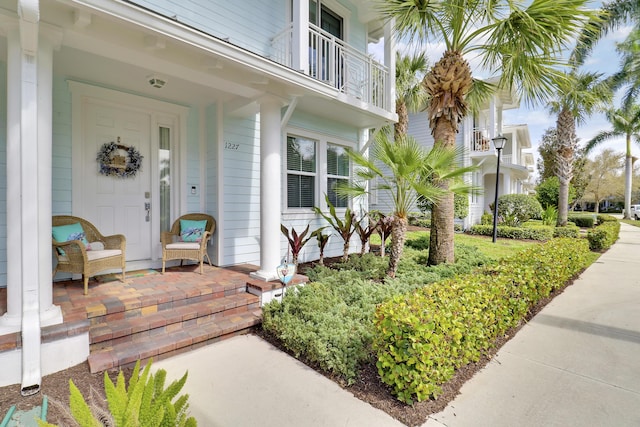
(481, 141)
(334, 62)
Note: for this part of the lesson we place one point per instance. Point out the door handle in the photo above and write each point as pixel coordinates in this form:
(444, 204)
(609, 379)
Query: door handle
(147, 207)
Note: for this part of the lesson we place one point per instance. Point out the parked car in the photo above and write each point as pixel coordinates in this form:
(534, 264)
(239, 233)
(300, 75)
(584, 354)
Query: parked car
(635, 212)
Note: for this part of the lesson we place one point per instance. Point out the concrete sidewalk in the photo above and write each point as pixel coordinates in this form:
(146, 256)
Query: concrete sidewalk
(577, 363)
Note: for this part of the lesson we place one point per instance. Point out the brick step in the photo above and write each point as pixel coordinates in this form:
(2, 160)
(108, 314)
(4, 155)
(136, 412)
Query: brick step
(119, 307)
(171, 343)
(134, 327)
(48, 334)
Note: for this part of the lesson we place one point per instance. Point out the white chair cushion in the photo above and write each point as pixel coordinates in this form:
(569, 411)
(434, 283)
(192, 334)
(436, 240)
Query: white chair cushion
(184, 246)
(93, 255)
(106, 253)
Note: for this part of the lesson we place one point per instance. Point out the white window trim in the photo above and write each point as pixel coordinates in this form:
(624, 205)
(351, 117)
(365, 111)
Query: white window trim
(321, 168)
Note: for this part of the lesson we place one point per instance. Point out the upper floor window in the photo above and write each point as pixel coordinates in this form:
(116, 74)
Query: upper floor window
(325, 18)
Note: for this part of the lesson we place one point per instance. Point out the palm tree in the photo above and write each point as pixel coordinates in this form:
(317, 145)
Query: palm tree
(629, 73)
(405, 170)
(410, 92)
(611, 16)
(519, 39)
(626, 122)
(579, 95)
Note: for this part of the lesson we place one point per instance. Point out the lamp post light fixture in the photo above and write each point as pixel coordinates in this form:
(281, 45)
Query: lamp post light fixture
(498, 143)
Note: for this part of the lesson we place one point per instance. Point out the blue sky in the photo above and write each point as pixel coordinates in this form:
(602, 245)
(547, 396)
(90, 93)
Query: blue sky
(604, 59)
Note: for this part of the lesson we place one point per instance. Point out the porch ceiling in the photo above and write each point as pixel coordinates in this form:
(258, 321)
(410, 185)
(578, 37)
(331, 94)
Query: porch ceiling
(112, 49)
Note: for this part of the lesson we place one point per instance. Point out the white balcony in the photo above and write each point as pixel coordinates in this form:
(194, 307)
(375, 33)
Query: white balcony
(337, 64)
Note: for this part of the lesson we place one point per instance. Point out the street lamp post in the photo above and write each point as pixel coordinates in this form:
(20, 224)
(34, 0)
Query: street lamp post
(498, 143)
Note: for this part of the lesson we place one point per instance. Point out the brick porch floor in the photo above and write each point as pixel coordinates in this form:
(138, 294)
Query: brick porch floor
(153, 315)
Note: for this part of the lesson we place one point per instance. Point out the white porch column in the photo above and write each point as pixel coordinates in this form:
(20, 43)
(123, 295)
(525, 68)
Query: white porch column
(270, 188)
(390, 62)
(300, 41)
(29, 195)
(11, 320)
(49, 40)
(493, 121)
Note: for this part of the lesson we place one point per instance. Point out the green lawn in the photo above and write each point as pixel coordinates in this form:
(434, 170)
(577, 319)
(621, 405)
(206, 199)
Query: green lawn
(631, 222)
(501, 249)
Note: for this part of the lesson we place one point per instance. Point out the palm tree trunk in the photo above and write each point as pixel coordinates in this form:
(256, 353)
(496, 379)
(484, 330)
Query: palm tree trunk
(398, 236)
(563, 202)
(441, 249)
(402, 126)
(628, 181)
(345, 250)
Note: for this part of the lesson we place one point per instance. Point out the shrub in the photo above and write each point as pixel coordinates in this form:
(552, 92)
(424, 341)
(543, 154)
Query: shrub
(583, 220)
(550, 215)
(518, 208)
(486, 219)
(568, 231)
(329, 322)
(422, 338)
(547, 192)
(603, 236)
(541, 232)
(604, 218)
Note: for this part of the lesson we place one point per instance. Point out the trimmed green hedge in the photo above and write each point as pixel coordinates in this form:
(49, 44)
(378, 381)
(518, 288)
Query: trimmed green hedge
(606, 218)
(541, 233)
(568, 231)
(583, 220)
(605, 235)
(422, 338)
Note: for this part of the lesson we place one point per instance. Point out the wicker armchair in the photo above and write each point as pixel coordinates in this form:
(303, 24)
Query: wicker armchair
(73, 257)
(174, 248)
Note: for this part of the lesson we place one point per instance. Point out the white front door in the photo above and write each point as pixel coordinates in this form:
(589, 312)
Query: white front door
(117, 205)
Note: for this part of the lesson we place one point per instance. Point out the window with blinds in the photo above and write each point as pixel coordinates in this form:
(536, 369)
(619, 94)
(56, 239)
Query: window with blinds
(337, 173)
(301, 172)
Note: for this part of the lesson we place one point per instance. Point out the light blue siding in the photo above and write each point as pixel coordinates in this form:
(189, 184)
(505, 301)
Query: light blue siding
(193, 161)
(211, 195)
(61, 149)
(241, 191)
(324, 126)
(250, 24)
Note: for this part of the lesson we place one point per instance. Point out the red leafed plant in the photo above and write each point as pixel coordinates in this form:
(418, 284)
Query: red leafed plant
(296, 241)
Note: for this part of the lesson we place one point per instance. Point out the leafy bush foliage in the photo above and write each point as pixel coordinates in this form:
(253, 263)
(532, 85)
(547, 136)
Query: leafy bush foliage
(550, 215)
(329, 322)
(583, 220)
(604, 218)
(547, 192)
(486, 219)
(516, 209)
(541, 232)
(603, 236)
(568, 231)
(421, 339)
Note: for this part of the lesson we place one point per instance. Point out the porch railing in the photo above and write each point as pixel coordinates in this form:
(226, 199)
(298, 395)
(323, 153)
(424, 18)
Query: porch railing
(338, 64)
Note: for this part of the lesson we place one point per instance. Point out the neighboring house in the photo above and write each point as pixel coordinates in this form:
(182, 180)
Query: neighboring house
(476, 132)
(240, 109)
